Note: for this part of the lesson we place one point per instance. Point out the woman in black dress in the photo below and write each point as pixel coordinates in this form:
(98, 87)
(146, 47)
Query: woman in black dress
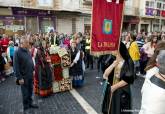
(76, 70)
(119, 76)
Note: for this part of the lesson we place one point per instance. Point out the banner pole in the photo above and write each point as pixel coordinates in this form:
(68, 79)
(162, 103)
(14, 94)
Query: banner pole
(110, 101)
(91, 28)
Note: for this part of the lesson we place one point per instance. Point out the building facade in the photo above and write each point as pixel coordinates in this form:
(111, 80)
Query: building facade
(131, 15)
(70, 16)
(73, 15)
(65, 16)
(26, 16)
(152, 16)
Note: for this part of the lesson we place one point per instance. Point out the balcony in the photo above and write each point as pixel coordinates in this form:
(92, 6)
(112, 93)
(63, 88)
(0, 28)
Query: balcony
(87, 2)
(150, 13)
(129, 10)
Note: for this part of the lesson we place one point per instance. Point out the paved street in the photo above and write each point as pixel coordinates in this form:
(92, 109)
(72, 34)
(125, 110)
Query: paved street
(62, 103)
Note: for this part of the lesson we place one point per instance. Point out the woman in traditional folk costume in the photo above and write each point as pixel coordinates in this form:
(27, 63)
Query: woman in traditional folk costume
(43, 73)
(76, 70)
(119, 76)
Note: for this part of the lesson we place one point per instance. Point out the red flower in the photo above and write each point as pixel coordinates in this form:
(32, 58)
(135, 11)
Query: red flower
(55, 59)
(58, 73)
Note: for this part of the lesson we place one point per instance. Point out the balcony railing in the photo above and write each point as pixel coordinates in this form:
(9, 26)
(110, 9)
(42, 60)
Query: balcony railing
(150, 13)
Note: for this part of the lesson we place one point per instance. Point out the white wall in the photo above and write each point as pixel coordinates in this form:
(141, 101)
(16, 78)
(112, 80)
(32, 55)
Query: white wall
(10, 3)
(70, 4)
(64, 25)
(142, 7)
(129, 3)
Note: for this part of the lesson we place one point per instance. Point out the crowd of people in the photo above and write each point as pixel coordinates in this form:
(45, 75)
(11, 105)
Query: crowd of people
(7, 49)
(140, 54)
(9, 44)
(28, 59)
(141, 47)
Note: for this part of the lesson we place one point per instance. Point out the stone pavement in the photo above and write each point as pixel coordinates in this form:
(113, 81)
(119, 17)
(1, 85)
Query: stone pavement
(92, 90)
(62, 103)
(136, 94)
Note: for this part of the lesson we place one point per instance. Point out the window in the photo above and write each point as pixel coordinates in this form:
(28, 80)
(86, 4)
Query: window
(159, 5)
(158, 13)
(164, 6)
(147, 3)
(151, 4)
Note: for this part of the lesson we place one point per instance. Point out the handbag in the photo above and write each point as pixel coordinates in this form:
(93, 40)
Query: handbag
(106, 97)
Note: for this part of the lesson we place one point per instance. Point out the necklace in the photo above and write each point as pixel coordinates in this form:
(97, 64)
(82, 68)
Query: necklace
(161, 75)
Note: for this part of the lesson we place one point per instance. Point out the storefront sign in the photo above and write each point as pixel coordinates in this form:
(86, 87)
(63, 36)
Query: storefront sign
(16, 3)
(106, 26)
(45, 3)
(12, 24)
(31, 12)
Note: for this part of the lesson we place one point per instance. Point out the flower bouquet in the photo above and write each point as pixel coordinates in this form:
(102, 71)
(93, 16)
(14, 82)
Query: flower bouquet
(54, 49)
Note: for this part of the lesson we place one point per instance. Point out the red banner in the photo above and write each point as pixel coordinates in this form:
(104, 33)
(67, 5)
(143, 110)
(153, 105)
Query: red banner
(106, 25)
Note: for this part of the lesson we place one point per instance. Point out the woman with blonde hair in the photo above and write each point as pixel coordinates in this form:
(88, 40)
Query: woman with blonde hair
(76, 70)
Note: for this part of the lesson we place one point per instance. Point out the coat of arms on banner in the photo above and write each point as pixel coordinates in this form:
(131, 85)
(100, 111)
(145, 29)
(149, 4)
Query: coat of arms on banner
(107, 26)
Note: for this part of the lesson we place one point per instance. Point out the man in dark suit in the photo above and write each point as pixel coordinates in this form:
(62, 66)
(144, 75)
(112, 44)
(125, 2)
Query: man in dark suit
(24, 67)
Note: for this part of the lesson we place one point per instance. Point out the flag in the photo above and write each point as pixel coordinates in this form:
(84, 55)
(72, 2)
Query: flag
(107, 16)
